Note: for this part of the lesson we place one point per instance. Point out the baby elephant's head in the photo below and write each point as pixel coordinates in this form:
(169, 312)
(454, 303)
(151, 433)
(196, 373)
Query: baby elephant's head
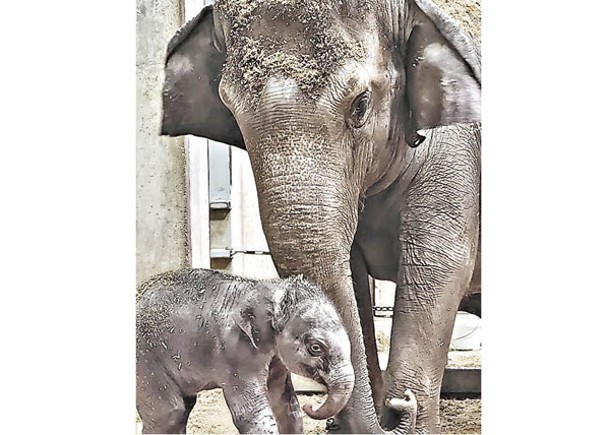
(312, 342)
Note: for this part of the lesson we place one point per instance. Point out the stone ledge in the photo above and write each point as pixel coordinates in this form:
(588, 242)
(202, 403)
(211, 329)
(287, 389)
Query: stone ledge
(462, 375)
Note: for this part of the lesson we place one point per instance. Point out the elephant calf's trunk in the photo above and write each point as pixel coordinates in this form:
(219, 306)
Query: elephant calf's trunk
(339, 392)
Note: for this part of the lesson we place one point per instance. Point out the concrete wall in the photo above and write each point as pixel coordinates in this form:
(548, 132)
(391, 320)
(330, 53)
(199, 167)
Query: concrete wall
(162, 199)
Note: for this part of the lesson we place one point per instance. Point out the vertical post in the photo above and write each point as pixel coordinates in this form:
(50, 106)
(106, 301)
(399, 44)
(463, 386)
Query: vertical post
(198, 203)
(162, 201)
(198, 178)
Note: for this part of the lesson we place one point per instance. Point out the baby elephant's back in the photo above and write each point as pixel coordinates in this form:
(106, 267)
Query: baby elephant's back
(168, 297)
(175, 325)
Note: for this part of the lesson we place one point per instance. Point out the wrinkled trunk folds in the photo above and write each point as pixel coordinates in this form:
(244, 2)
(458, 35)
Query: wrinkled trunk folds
(308, 207)
(339, 392)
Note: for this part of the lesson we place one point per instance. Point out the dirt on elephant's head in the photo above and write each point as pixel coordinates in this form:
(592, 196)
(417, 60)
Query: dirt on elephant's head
(466, 12)
(296, 39)
(304, 40)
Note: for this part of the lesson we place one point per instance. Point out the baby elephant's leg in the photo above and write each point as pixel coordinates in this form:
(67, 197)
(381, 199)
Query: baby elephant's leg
(407, 408)
(160, 403)
(168, 415)
(283, 398)
(250, 407)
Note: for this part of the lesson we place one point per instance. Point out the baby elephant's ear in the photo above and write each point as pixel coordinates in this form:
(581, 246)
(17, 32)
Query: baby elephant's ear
(278, 320)
(442, 70)
(246, 322)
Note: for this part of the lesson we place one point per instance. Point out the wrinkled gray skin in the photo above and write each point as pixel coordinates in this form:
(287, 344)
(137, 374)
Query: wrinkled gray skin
(334, 102)
(199, 329)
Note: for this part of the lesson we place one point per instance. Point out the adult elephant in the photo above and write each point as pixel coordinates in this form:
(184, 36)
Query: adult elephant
(333, 101)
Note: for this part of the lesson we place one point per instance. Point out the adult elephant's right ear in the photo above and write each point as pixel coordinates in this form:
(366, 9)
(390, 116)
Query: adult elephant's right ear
(193, 68)
(442, 67)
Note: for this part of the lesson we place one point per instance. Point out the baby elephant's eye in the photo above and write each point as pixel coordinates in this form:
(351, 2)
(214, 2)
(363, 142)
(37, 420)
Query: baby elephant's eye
(315, 348)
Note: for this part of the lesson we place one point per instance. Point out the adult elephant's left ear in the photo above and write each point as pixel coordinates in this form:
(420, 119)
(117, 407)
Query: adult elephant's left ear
(193, 68)
(442, 70)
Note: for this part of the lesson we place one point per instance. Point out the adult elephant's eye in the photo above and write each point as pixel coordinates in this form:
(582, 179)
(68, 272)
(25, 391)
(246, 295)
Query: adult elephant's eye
(360, 108)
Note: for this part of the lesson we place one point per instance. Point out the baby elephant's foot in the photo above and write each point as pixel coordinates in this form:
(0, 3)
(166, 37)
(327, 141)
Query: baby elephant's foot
(407, 408)
(332, 425)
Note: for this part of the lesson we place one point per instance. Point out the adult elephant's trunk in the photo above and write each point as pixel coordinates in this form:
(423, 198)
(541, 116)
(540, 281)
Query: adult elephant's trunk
(308, 205)
(308, 191)
(340, 385)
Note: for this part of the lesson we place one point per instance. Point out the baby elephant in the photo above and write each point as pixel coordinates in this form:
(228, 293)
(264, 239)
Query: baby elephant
(199, 329)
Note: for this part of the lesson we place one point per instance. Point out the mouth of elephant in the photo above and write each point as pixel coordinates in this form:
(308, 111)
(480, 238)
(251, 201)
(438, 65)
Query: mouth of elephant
(312, 373)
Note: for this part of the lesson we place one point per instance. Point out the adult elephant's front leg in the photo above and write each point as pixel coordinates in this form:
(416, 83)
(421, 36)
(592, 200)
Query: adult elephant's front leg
(438, 236)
